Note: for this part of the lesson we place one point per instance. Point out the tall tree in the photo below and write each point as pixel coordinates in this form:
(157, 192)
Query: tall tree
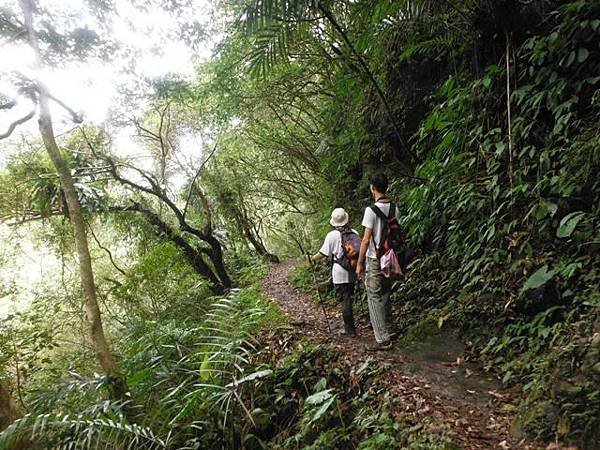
(176, 222)
(92, 310)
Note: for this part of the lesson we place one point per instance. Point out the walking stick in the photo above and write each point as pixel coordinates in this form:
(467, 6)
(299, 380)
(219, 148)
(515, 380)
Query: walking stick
(312, 269)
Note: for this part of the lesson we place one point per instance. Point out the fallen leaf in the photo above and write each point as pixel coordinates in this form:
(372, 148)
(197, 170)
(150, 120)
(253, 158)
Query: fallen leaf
(415, 428)
(508, 408)
(498, 395)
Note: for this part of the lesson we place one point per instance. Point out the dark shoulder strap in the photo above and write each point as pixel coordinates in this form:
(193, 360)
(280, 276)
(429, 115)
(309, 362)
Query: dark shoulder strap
(384, 220)
(343, 231)
(392, 212)
(379, 213)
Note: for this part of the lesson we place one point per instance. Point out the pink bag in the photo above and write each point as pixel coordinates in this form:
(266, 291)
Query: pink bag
(390, 267)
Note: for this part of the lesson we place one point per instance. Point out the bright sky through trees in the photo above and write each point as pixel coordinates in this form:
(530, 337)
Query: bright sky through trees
(149, 47)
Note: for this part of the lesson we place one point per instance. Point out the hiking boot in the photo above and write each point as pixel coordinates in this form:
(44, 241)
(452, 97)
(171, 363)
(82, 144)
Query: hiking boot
(387, 345)
(348, 333)
(349, 328)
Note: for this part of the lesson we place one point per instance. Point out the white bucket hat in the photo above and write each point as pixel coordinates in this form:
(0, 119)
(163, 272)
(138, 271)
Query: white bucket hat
(339, 217)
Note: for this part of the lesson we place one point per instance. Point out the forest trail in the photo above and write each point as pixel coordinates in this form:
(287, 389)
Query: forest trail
(456, 399)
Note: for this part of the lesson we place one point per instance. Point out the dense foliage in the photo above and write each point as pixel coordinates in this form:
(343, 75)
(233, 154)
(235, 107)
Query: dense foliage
(484, 115)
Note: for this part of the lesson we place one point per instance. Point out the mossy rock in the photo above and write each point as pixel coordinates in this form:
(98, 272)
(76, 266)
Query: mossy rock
(427, 341)
(425, 329)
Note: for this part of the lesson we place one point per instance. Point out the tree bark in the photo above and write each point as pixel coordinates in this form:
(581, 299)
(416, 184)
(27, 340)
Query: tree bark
(92, 310)
(217, 260)
(193, 255)
(205, 234)
(245, 225)
(9, 411)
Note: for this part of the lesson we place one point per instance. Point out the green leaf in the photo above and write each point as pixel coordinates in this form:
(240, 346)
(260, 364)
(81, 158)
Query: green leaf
(205, 370)
(568, 223)
(582, 54)
(550, 208)
(570, 59)
(500, 148)
(323, 409)
(253, 376)
(539, 278)
(320, 397)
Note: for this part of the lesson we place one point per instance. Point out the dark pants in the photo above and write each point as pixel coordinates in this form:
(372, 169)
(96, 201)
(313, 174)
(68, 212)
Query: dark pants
(344, 293)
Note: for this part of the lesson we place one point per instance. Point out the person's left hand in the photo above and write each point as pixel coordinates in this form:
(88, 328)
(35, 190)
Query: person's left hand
(360, 271)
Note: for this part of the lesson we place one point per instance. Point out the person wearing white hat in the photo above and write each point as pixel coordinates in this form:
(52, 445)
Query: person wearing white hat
(342, 245)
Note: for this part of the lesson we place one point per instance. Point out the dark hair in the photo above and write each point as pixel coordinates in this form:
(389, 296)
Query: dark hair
(380, 182)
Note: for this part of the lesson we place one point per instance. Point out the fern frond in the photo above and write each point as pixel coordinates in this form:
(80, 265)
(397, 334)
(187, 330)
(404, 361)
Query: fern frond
(66, 432)
(221, 359)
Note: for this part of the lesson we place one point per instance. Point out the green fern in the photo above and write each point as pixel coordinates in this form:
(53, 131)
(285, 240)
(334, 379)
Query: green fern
(222, 359)
(59, 432)
(188, 379)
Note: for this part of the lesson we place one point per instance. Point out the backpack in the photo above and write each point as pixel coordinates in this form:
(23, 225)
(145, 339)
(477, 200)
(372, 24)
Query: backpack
(391, 249)
(351, 248)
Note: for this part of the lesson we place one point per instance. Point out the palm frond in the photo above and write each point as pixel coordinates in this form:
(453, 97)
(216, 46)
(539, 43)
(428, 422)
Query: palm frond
(275, 28)
(437, 46)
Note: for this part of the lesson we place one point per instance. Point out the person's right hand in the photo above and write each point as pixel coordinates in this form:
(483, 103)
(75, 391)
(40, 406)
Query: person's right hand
(360, 271)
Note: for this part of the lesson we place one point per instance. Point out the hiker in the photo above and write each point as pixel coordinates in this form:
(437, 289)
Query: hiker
(376, 220)
(342, 245)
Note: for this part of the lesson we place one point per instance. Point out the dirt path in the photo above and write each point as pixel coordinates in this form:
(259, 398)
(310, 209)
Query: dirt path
(453, 398)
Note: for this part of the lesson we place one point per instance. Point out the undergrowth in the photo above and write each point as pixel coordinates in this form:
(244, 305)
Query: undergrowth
(509, 223)
(223, 373)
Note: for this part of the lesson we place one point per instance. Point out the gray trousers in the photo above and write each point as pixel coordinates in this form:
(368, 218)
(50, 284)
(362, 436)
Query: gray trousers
(380, 306)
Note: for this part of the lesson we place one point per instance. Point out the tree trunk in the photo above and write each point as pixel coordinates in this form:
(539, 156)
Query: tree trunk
(215, 253)
(193, 255)
(249, 232)
(95, 328)
(255, 241)
(9, 411)
(217, 260)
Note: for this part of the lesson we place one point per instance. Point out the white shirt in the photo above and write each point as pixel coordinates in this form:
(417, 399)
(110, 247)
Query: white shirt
(333, 246)
(370, 220)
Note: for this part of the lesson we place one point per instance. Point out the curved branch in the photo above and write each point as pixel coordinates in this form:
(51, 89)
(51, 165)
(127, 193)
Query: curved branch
(184, 226)
(75, 116)
(8, 105)
(110, 256)
(192, 254)
(370, 77)
(193, 183)
(16, 123)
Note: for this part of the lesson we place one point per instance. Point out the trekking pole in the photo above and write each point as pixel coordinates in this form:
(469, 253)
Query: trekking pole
(312, 269)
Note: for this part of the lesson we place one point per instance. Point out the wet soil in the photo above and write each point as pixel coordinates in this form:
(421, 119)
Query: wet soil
(432, 387)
